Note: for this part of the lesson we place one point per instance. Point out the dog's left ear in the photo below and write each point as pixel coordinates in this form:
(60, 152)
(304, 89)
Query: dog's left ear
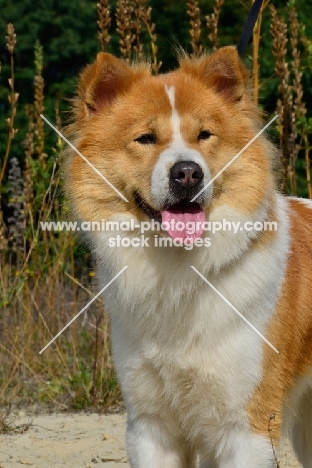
(222, 71)
(104, 80)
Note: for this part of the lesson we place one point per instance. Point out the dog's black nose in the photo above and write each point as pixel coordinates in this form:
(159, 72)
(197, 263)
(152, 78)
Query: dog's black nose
(186, 174)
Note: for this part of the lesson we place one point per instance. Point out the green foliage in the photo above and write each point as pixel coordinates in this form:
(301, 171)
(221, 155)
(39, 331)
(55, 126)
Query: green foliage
(80, 389)
(66, 31)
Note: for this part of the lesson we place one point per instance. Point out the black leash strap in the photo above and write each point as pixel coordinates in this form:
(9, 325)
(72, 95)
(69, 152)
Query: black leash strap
(248, 28)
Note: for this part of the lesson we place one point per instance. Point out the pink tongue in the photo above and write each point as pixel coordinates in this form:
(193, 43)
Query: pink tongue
(193, 215)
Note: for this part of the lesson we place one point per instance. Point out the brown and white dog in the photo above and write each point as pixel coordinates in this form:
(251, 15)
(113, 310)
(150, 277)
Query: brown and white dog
(200, 386)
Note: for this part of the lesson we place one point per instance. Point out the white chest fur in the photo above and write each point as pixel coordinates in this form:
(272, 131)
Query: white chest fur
(179, 349)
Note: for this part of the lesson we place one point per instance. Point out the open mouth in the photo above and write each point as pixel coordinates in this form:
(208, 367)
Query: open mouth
(183, 220)
(146, 208)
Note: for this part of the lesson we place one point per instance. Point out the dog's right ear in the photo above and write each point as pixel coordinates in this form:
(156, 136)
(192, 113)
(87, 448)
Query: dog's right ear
(222, 71)
(101, 82)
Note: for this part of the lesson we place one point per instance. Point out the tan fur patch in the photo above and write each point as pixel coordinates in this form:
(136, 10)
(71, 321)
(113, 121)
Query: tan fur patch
(290, 329)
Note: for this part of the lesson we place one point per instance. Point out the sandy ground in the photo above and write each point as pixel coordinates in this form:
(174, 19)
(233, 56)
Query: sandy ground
(75, 441)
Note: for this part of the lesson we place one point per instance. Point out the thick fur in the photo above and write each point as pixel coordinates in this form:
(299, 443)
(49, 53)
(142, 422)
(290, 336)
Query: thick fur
(200, 386)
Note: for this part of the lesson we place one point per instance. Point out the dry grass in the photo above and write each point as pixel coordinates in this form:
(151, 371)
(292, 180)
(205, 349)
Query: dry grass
(37, 298)
(45, 277)
(291, 109)
(255, 55)
(133, 19)
(7, 423)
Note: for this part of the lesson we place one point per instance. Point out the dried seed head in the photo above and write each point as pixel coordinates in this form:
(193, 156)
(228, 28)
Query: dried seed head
(150, 27)
(290, 107)
(38, 52)
(28, 144)
(195, 22)
(104, 22)
(213, 22)
(39, 104)
(139, 12)
(11, 38)
(124, 13)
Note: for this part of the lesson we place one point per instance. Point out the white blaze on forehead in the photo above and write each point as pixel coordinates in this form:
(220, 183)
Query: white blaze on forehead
(175, 118)
(177, 151)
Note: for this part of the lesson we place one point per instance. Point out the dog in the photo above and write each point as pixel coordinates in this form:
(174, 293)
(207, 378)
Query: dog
(211, 334)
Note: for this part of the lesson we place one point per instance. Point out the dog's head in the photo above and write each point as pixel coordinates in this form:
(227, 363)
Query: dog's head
(161, 140)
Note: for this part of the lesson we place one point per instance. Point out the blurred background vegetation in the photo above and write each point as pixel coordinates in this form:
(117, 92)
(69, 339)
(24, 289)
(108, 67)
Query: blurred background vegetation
(47, 277)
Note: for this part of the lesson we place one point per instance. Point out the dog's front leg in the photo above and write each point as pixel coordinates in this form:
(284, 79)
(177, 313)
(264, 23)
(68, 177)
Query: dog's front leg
(245, 450)
(151, 445)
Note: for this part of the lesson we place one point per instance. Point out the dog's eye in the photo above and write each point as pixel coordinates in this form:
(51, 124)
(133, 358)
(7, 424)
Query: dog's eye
(146, 139)
(204, 135)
